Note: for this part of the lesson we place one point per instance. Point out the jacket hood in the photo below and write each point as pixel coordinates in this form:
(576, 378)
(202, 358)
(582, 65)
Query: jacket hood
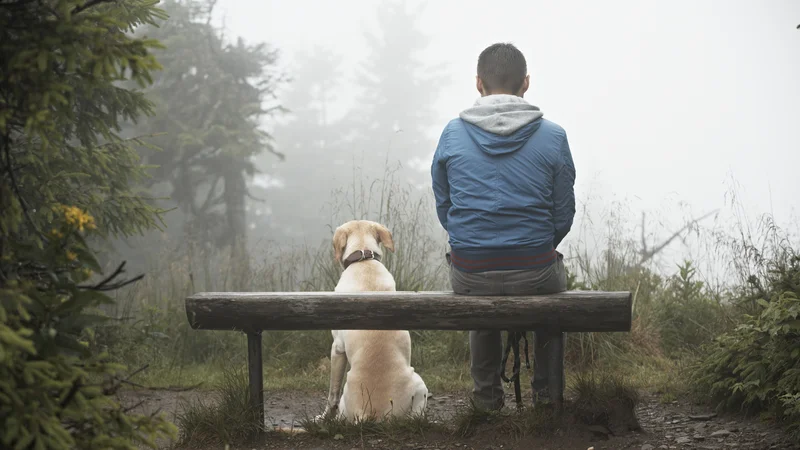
(502, 123)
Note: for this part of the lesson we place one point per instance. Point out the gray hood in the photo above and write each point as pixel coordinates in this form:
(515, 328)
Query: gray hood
(501, 114)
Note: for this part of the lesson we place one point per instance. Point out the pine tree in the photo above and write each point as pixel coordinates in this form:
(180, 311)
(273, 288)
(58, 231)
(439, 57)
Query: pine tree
(398, 92)
(66, 177)
(312, 141)
(210, 99)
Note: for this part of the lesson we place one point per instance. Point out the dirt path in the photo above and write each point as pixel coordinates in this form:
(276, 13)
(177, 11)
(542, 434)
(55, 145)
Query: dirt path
(670, 426)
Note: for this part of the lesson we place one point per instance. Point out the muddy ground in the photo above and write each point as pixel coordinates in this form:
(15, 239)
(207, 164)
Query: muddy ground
(676, 425)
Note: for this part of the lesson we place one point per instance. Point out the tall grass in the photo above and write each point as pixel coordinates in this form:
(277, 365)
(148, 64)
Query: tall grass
(675, 311)
(418, 263)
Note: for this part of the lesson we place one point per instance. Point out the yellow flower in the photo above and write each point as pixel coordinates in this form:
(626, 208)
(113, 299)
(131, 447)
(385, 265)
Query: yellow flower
(71, 255)
(78, 218)
(56, 234)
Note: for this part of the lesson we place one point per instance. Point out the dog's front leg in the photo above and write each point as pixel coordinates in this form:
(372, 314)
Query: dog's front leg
(338, 369)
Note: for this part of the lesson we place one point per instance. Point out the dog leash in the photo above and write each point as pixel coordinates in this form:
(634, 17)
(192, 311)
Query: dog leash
(512, 343)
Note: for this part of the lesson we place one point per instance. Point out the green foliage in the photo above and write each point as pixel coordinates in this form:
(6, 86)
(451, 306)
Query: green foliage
(756, 367)
(55, 392)
(65, 177)
(687, 315)
(60, 111)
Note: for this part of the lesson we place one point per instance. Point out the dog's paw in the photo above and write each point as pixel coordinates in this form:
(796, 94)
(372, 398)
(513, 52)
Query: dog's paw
(321, 417)
(325, 414)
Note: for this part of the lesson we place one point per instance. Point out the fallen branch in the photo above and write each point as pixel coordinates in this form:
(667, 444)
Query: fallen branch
(175, 388)
(131, 408)
(119, 381)
(163, 388)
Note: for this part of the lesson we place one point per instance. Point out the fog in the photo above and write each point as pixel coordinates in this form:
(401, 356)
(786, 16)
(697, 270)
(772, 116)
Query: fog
(670, 107)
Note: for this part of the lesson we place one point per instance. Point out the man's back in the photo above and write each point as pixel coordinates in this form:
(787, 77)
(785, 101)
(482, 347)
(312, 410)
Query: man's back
(503, 180)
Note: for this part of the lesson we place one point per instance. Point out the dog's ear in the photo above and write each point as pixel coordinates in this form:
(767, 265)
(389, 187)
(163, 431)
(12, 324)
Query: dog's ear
(339, 243)
(384, 236)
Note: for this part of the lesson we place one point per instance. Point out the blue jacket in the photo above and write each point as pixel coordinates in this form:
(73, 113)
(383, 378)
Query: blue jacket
(503, 180)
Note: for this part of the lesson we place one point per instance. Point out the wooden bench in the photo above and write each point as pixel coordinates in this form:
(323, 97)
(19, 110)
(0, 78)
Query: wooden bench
(252, 313)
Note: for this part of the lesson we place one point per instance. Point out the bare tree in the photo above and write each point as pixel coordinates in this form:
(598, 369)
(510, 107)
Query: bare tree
(647, 253)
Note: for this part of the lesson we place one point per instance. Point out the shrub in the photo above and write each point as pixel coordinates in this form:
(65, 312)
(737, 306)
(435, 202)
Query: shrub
(55, 392)
(756, 367)
(686, 315)
(66, 177)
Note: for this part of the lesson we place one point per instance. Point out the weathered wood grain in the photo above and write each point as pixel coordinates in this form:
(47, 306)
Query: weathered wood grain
(571, 311)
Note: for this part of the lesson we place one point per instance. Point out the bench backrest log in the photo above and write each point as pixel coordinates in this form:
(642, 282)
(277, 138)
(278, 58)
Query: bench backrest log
(571, 311)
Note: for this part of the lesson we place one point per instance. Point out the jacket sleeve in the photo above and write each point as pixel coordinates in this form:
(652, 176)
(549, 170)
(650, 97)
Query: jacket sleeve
(563, 194)
(441, 187)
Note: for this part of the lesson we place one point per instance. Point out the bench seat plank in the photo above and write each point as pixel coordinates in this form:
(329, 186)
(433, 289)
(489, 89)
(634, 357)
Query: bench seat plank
(571, 311)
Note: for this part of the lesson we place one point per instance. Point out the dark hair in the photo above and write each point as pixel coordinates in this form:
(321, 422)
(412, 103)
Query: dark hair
(502, 67)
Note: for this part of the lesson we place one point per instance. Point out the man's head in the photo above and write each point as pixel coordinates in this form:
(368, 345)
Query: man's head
(502, 70)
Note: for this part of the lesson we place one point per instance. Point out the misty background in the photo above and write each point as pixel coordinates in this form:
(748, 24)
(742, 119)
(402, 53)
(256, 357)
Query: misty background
(214, 145)
(673, 109)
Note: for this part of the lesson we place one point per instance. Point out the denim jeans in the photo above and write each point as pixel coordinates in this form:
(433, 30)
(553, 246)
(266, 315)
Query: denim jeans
(486, 346)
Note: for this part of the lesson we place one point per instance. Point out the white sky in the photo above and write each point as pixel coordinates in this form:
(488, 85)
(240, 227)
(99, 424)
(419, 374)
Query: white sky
(663, 102)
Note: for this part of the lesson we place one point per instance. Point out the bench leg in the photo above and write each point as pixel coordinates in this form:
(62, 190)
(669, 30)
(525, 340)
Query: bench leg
(555, 376)
(256, 375)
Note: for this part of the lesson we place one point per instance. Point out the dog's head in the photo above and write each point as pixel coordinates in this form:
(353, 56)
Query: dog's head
(360, 235)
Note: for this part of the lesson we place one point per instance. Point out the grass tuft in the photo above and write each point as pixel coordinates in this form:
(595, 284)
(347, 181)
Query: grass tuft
(601, 400)
(226, 418)
(526, 422)
(606, 400)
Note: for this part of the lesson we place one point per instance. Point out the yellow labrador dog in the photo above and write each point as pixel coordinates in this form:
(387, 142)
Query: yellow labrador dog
(381, 382)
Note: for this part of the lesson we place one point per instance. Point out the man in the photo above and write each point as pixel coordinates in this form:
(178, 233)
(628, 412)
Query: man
(503, 180)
